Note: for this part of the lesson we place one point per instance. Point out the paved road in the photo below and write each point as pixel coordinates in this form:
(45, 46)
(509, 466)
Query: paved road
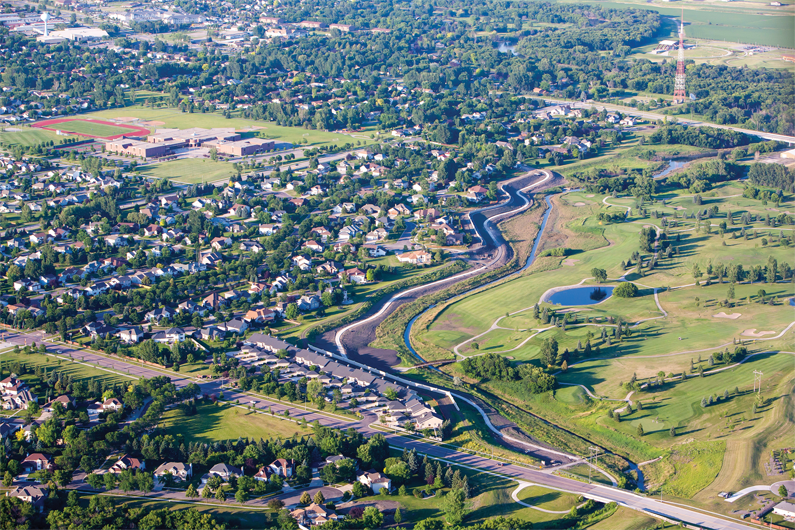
(654, 116)
(297, 412)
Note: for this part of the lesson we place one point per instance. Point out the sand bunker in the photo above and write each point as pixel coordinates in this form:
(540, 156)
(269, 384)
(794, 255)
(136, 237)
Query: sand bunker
(754, 333)
(578, 204)
(733, 316)
(591, 195)
(679, 208)
(569, 262)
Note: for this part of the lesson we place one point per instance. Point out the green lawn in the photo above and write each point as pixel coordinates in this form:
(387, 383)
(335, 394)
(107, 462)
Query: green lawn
(78, 371)
(548, 499)
(80, 126)
(189, 170)
(174, 118)
(629, 519)
(26, 137)
(214, 423)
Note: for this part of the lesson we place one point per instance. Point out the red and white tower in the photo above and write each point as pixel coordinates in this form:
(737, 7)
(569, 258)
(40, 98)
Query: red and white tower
(679, 83)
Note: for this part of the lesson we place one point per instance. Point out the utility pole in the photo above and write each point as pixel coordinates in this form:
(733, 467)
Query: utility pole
(593, 455)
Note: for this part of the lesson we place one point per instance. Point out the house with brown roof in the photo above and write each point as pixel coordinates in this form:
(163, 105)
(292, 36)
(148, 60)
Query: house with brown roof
(127, 463)
(36, 462)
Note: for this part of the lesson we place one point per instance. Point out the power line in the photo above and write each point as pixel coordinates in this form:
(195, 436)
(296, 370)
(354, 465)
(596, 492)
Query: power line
(757, 379)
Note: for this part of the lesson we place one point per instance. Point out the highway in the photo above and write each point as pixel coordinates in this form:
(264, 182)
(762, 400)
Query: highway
(600, 493)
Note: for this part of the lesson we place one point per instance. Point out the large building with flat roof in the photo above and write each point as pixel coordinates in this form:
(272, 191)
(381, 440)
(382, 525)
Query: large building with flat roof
(165, 141)
(124, 146)
(249, 146)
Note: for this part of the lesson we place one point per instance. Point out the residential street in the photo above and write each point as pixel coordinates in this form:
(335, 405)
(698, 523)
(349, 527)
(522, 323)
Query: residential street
(296, 412)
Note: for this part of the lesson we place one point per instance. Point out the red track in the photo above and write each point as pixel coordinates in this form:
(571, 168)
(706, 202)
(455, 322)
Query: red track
(134, 131)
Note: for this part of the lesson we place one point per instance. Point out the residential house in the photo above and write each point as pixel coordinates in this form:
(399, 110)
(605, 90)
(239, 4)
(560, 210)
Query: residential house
(181, 472)
(375, 481)
(127, 463)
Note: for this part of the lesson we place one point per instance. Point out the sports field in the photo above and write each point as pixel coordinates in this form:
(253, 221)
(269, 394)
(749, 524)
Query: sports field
(92, 128)
(27, 137)
(174, 118)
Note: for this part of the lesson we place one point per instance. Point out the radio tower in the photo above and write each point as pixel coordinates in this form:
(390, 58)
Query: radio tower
(679, 83)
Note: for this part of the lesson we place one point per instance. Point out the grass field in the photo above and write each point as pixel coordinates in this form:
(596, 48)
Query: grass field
(174, 118)
(214, 423)
(90, 128)
(189, 170)
(628, 519)
(686, 469)
(27, 137)
(548, 499)
(75, 370)
(746, 22)
(656, 345)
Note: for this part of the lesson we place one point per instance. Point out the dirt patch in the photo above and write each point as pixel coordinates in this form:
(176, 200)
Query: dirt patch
(679, 208)
(125, 119)
(153, 123)
(591, 195)
(579, 204)
(569, 262)
(733, 316)
(754, 333)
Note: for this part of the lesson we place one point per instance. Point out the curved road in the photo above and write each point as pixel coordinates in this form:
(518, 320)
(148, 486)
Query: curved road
(296, 412)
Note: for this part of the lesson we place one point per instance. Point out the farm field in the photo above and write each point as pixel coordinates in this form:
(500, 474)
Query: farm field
(213, 423)
(744, 22)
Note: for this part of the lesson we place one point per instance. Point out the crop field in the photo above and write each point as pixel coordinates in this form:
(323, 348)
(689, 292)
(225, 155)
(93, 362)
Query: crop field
(213, 423)
(746, 23)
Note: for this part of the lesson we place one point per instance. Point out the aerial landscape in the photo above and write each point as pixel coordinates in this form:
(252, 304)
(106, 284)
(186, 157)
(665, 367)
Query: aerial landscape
(430, 265)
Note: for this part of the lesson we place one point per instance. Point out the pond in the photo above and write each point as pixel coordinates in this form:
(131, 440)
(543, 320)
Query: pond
(581, 295)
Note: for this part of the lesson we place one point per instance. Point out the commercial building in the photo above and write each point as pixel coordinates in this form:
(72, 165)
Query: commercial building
(246, 147)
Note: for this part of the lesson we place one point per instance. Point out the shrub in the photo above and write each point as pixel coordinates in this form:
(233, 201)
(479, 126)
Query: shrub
(626, 290)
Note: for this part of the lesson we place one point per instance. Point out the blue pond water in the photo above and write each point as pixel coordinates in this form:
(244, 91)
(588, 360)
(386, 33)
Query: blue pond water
(581, 296)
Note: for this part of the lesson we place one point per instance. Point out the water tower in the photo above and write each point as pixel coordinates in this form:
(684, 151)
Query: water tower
(45, 17)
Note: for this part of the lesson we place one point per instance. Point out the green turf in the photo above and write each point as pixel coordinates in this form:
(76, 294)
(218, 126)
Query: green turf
(78, 371)
(27, 137)
(214, 422)
(548, 499)
(189, 170)
(78, 126)
(174, 118)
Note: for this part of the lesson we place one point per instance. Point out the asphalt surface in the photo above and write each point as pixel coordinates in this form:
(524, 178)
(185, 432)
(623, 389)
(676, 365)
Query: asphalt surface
(357, 340)
(297, 412)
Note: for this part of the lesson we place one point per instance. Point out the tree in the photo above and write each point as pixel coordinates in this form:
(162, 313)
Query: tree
(782, 491)
(399, 517)
(626, 290)
(207, 492)
(305, 498)
(319, 498)
(672, 432)
(219, 495)
(372, 518)
(647, 236)
(276, 504)
(454, 507)
(241, 495)
(600, 275)
(94, 480)
(191, 492)
(549, 351)
(292, 311)
(640, 429)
